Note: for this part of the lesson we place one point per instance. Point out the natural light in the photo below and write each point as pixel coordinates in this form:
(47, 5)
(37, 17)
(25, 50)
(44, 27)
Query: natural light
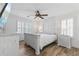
(67, 27)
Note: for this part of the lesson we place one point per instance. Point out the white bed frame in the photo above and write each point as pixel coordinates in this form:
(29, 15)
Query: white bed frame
(38, 41)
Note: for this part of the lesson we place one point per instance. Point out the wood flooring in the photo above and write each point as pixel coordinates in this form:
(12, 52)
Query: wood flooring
(50, 50)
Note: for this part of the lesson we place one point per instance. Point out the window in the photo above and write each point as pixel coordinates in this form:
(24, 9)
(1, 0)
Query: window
(20, 27)
(23, 27)
(28, 28)
(67, 27)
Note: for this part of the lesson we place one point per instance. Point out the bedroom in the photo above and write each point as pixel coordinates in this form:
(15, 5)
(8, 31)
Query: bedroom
(60, 26)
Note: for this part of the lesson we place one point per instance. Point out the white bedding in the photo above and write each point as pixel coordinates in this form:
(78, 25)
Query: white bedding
(46, 39)
(38, 41)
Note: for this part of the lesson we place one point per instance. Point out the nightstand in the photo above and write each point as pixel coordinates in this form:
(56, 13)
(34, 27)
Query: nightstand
(64, 40)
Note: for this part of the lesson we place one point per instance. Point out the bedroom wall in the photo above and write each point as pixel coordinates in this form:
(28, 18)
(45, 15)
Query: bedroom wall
(11, 24)
(75, 41)
(50, 26)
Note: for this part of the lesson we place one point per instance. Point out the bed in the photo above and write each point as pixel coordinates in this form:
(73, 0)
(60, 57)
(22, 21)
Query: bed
(38, 41)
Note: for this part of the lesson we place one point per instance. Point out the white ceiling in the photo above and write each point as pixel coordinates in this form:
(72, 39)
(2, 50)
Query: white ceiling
(53, 9)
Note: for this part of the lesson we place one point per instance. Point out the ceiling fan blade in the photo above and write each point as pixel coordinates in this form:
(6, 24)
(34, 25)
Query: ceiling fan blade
(44, 14)
(41, 17)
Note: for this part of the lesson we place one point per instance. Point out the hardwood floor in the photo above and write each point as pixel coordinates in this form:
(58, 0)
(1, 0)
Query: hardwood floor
(50, 50)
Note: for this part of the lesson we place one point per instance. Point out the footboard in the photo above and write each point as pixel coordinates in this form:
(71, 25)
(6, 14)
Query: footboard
(46, 39)
(33, 41)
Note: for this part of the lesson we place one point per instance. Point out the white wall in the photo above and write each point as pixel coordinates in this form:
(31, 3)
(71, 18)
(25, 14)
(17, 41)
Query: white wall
(11, 24)
(75, 41)
(50, 26)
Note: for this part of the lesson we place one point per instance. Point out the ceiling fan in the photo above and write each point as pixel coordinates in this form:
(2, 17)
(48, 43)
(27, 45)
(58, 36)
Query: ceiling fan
(37, 14)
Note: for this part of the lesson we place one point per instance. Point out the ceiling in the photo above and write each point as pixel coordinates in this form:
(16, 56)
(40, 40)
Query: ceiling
(52, 9)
